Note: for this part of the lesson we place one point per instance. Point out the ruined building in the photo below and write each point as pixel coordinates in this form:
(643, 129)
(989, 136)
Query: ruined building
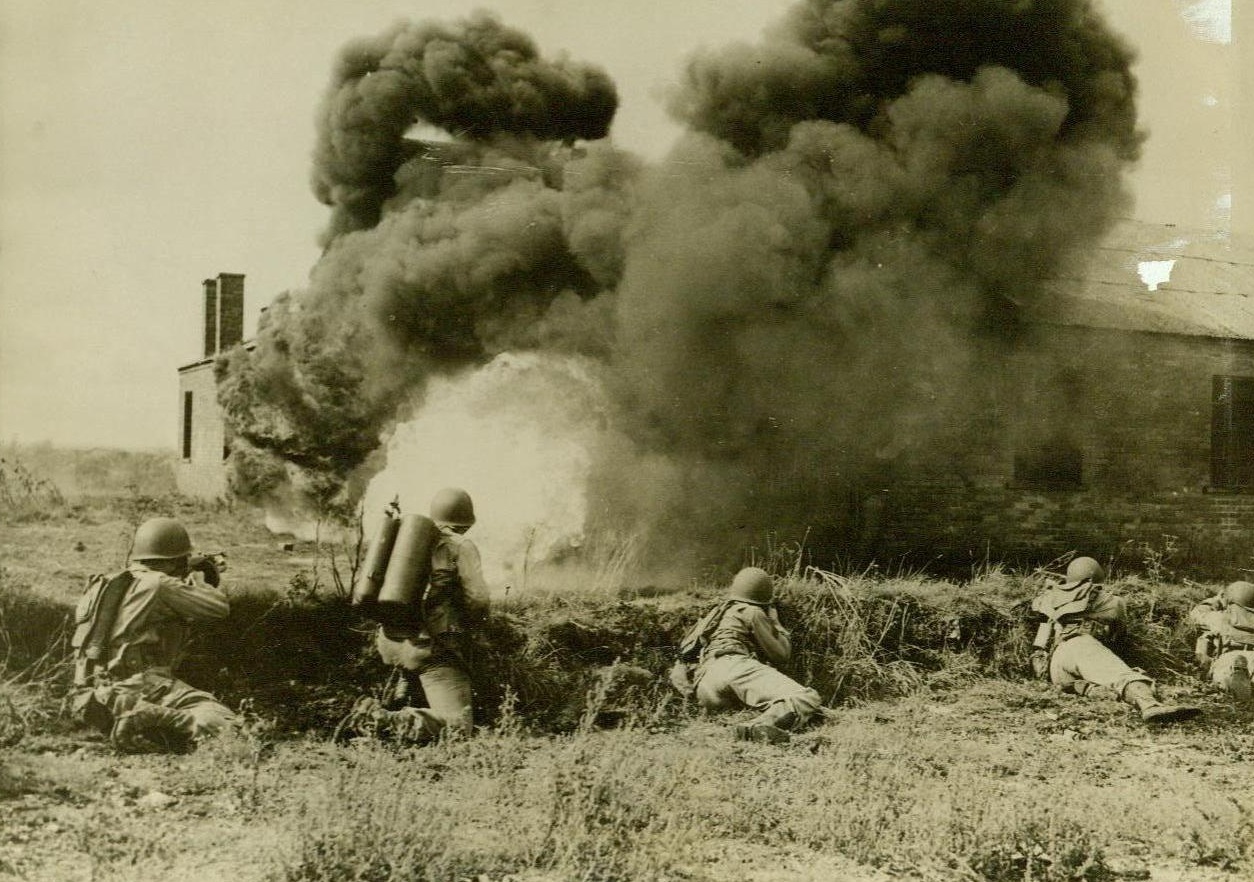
(1124, 429)
(204, 441)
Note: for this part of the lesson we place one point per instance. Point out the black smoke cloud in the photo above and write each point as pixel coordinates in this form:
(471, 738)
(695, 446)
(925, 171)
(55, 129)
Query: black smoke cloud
(478, 80)
(797, 301)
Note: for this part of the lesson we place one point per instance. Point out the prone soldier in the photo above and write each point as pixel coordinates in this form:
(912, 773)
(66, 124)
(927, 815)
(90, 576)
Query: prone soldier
(1225, 647)
(737, 648)
(1071, 645)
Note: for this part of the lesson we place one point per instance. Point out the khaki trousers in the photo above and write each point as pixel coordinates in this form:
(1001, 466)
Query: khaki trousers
(448, 707)
(199, 713)
(732, 681)
(440, 671)
(1085, 659)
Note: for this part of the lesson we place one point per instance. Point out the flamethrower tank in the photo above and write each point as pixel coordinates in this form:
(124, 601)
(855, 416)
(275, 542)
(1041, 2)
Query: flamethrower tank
(370, 579)
(408, 571)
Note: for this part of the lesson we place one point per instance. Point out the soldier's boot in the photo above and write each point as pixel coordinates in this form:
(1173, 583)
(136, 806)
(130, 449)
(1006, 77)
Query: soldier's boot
(771, 727)
(147, 726)
(1140, 695)
(761, 732)
(364, 719)
(412, 725)
(1239, 683)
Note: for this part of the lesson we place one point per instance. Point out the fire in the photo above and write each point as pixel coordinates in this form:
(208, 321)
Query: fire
(518, 435)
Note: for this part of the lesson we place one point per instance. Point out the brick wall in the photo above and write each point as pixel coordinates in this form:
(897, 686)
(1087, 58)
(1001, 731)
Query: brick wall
(1138, 409)
(230, 310)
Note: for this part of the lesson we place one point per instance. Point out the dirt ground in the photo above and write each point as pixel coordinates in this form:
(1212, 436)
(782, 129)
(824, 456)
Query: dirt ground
(74, 810)
(864, 795)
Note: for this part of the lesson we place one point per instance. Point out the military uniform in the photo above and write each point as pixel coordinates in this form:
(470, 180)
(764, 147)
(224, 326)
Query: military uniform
(1226, 646)
(1080, 657)
(1080, 618)
(134, 682)
(736, 670)
(433, 655)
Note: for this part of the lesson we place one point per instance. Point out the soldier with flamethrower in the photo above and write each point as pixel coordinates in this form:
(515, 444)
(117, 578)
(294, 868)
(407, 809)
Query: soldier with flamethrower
(423, 582)
(1070, 649)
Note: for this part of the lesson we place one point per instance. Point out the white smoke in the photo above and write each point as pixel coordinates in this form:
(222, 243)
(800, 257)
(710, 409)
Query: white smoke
(516, 434)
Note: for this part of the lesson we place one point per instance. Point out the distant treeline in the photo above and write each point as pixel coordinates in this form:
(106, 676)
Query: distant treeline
(95, 471)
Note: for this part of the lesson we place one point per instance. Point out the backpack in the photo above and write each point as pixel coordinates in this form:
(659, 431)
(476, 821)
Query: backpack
(1057, 603)
(94, 618)
(699, 635)
(694, 642)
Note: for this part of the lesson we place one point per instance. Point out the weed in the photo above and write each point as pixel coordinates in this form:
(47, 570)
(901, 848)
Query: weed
(24, 495)
(1220, 835)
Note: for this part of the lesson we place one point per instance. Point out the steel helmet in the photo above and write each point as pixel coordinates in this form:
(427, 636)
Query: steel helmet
(752, 585)
(1085, 569)
(1241, 594)
(160, 539)
(452, 506)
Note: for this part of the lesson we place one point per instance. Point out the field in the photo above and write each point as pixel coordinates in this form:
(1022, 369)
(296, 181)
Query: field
(937, 761)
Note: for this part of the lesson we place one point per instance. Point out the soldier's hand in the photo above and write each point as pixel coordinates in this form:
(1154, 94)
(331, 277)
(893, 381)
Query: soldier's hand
(1040, 664)
(206, 567)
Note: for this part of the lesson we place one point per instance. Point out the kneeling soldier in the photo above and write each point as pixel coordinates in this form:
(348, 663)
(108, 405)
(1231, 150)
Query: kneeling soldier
(1226, 646)
(130, 634)
(1070, 646)
(430, 654)
(739, 642)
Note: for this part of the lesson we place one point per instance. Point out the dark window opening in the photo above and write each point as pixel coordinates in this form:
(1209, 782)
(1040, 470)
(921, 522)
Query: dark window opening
(1232, 433)
(187, 425)
(1053, 465)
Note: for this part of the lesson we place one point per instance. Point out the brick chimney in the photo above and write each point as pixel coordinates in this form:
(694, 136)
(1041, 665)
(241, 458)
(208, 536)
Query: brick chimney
(224, 312)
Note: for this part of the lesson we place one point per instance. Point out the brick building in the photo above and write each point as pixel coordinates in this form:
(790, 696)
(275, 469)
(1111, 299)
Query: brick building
(1123, 425)
(204, 441)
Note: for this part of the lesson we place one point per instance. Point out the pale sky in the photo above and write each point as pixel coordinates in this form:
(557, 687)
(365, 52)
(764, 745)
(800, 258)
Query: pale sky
(146, 145)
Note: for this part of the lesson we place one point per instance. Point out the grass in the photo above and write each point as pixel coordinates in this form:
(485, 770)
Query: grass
(939, 760)
(636, 804)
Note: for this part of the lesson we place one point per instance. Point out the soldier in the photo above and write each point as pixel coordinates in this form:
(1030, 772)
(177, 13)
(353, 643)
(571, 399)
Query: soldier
(131, 629)
(1226, 646)
(431, 656)
(736, 647)
(1070, 646)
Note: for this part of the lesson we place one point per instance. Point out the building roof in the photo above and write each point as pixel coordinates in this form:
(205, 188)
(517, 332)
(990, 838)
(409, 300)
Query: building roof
(1160, 278)
(208, 361)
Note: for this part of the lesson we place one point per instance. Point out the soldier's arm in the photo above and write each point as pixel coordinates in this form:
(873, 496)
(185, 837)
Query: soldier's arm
(1204, 613)
(1044, 631)
(193, 599)
(1111, 611)
(771, 636)
(474, 586)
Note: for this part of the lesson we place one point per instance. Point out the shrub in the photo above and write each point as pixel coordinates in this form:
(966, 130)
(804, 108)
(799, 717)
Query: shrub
(24, 495)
